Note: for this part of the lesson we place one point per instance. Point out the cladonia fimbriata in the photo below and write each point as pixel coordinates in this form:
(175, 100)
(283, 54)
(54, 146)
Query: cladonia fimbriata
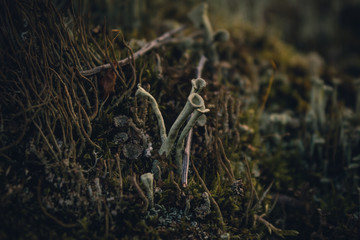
(200, 19)
(195, 104)
(147, 180)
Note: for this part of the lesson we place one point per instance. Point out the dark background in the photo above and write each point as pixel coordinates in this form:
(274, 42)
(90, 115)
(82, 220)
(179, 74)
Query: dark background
(329, 27)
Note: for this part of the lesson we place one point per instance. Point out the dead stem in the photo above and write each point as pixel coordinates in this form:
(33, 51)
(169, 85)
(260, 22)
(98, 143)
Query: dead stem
(163, 39)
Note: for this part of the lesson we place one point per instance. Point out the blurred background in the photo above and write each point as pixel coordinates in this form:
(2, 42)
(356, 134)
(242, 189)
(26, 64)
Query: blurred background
(329, 27)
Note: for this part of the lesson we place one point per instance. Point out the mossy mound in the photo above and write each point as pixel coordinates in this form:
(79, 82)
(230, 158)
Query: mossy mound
(77, 143)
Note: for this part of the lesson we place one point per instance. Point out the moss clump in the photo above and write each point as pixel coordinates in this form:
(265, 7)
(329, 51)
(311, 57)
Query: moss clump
(86, 162)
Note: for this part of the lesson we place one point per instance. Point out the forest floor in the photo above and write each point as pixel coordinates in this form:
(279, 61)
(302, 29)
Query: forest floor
(194, 133)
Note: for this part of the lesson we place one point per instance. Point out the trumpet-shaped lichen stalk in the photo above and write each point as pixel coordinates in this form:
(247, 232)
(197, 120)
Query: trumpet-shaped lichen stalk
(156, 110)
(197, 85)
(194, 101)
(180, 144)
(147, 180)
(199, 16)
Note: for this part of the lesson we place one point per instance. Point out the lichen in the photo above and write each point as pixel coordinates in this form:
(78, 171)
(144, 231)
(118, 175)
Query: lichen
(278, 148)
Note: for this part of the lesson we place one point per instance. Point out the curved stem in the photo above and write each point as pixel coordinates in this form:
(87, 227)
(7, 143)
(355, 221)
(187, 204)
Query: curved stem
(156, 110)
(195, 101)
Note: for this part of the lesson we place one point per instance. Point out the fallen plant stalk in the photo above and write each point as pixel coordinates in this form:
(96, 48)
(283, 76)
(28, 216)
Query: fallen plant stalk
(163, 39)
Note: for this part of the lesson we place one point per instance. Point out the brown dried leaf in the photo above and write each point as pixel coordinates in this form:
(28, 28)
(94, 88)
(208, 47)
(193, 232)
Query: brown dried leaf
(108, 81)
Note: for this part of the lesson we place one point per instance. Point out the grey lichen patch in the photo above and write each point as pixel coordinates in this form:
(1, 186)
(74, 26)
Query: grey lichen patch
(156, 169)
(120, 121)
(148, 150)
(204, 209)
(132, 150)
(121, 137)
(237, 188)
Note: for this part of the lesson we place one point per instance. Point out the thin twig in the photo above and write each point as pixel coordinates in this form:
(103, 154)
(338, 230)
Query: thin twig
(163, 39)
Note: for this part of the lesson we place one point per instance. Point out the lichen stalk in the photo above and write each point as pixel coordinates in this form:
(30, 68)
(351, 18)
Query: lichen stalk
(197, 85)
(147, 180)
(180, 144)
(156, 110)
(194, 102)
